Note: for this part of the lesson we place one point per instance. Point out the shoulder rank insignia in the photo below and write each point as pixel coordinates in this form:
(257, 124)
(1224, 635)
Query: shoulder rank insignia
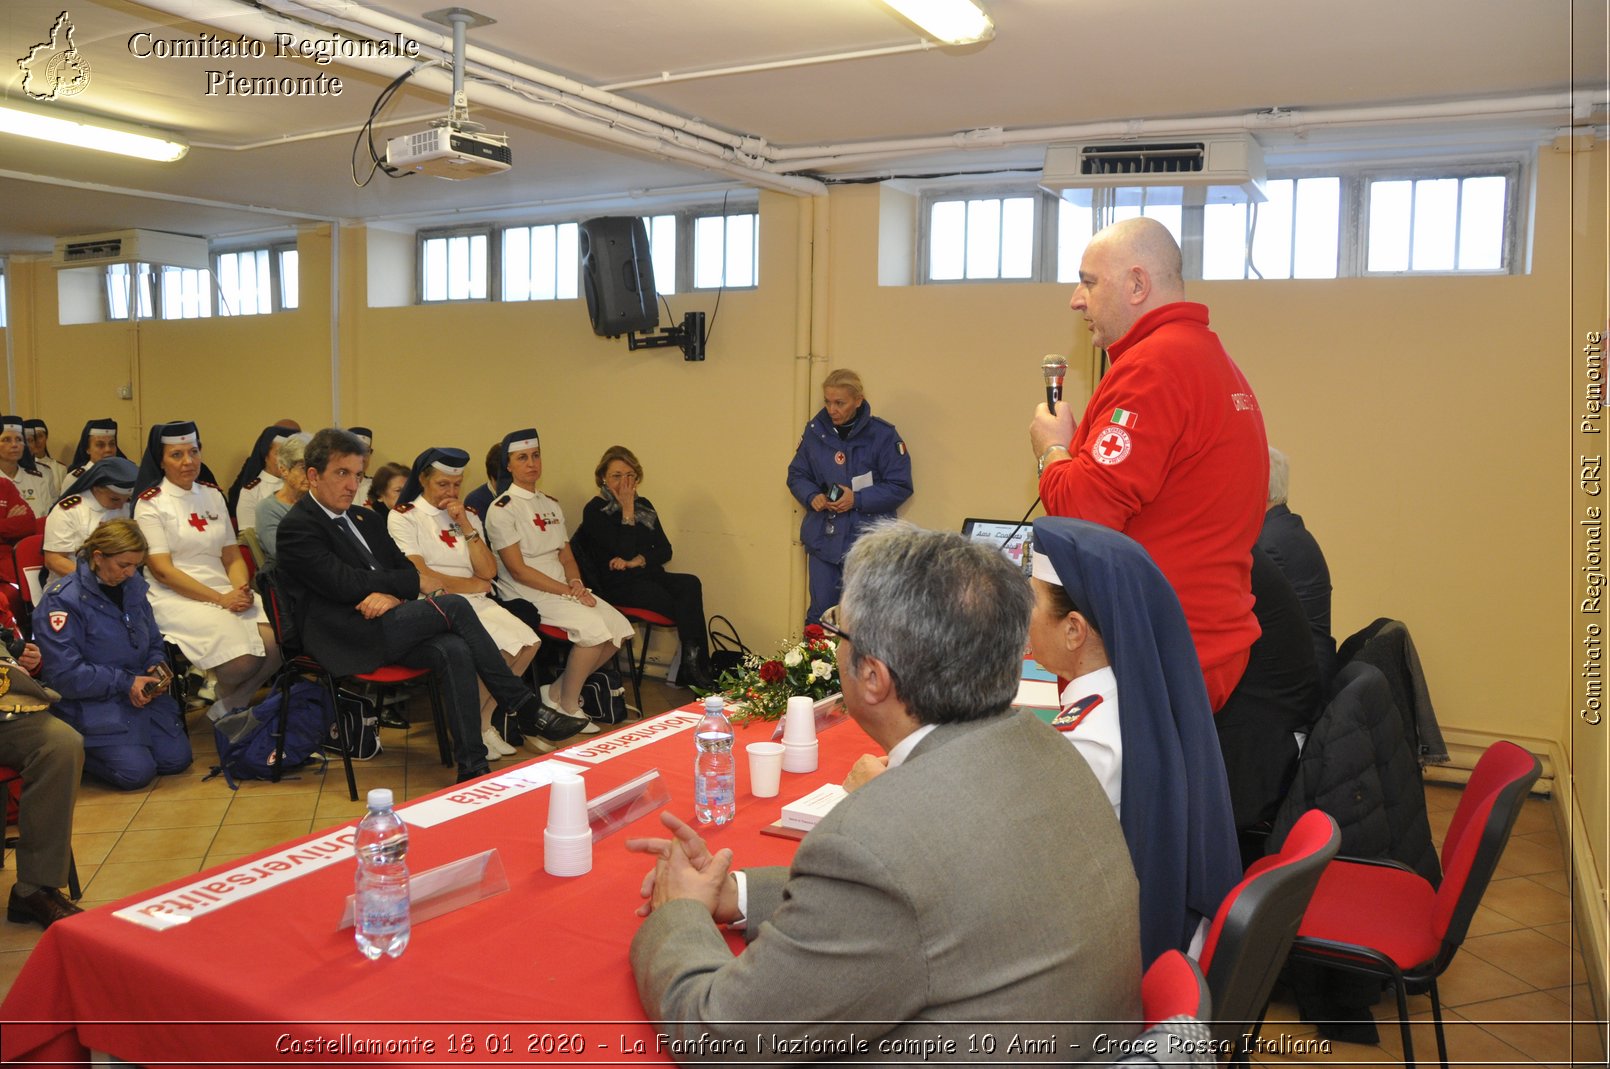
(204, 482)
(405, 507)
(153, 492)
(253, 484)
(68, 502)
(81, 469)
(1074, 714)
(501, 502)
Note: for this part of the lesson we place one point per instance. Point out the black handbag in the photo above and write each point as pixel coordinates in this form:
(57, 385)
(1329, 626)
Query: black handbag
(727, 650)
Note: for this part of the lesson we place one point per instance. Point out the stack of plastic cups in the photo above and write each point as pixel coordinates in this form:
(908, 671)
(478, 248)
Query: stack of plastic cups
(799, 735)
(567, 842)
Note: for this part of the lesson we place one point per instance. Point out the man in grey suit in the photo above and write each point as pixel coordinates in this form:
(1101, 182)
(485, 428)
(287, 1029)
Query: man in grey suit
(975, 880)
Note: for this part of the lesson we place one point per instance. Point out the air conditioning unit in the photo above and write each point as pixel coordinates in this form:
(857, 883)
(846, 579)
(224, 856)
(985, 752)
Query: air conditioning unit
(1231, 163)
(132, 246)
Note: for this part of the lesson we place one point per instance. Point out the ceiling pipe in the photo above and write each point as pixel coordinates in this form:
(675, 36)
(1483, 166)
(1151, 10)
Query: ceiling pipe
(1543, 105)
(667, 78)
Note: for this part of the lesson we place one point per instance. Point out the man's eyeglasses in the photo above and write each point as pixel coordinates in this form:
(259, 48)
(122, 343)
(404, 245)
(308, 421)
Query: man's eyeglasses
(830, 623)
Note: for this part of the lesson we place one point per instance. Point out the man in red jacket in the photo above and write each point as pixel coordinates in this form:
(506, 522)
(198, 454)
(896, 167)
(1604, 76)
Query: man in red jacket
(1171, 450)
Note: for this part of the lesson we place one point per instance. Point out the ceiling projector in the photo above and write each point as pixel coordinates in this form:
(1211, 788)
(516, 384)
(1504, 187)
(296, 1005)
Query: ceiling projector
(450, 152)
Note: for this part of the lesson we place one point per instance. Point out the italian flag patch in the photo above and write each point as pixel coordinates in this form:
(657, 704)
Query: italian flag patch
(1124, 417)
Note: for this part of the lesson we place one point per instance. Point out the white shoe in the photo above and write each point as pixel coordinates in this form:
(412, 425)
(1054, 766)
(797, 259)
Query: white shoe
(495, 746)
(545, 692)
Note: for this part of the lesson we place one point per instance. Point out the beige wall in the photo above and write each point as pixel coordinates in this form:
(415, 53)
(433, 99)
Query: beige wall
(1417, 412)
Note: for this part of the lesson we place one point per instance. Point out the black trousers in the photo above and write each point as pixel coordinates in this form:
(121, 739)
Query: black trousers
(444, 635)
(673, 594)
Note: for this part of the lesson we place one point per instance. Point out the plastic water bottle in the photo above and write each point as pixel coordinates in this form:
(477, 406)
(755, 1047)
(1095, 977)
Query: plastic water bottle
(381, 923)
(714, 784)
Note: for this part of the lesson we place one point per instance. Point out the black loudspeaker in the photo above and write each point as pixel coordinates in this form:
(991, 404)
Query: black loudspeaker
(618, 276)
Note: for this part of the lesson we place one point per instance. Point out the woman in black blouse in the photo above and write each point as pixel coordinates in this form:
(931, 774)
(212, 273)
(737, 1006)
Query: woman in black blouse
(624, 548)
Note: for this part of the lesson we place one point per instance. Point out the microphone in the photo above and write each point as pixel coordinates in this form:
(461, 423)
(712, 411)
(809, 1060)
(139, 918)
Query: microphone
(1055, 369)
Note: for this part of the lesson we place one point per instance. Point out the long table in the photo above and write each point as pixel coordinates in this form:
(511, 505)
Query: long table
(260, 974)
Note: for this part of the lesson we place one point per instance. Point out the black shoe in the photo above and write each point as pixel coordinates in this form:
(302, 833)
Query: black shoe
(543, 722)
(44, 907)
(694, 670)
(389, 717)
(465, 775)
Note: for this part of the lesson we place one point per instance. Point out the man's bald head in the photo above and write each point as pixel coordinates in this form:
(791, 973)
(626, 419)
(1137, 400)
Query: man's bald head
(1128, 269)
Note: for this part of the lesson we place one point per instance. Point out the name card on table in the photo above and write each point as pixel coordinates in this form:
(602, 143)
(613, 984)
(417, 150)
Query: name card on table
(183, 904)
(636, 737)
(445, 888)
(485, 792)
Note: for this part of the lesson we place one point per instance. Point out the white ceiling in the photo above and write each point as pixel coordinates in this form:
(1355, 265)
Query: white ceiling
(1052, 64)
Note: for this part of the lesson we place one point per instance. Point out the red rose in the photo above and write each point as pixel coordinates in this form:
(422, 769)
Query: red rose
(815, 632)
(773, 672)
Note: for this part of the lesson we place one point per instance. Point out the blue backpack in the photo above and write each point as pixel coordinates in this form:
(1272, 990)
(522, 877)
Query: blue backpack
(248, 739)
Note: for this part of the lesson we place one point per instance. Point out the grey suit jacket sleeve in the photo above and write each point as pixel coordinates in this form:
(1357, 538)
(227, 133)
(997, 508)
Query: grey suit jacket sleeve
(843, 908)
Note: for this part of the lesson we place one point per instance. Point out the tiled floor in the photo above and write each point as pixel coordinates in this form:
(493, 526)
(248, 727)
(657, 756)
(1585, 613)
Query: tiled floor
(1516, 993)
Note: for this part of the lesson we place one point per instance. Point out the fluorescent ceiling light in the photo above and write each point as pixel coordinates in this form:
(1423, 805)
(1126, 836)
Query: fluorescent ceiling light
(952, 22)
(102, 134)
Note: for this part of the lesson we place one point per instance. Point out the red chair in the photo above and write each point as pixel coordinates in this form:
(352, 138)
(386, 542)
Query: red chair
(389, 675)
(1252, 931)
(1379, 918)
(635, 665)
(30, 558)
(1174, 987)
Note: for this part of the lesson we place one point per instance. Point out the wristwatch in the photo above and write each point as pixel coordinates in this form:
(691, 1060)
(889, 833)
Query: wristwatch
(1045, 457)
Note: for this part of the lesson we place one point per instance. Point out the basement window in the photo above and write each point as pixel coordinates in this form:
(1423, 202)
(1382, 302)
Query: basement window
(541, 263)
(453, 265)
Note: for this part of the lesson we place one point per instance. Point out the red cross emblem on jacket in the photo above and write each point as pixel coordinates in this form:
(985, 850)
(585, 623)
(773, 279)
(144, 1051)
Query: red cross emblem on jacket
(447, 536)
(198, 522)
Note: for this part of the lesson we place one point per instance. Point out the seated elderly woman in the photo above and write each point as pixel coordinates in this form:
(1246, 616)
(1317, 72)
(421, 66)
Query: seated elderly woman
(258, 478)
(102, 493)
(1136, 707)
(200, 591)
(271, 508)
(623, 548)
(384, 488)
(535, 564)
(103, 651)
(447, 543)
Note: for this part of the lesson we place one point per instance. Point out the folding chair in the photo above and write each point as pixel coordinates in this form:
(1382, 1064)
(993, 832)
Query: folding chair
(635, 665)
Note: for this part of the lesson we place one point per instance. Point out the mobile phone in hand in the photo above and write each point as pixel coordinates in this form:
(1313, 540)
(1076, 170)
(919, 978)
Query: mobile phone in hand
(164, 678)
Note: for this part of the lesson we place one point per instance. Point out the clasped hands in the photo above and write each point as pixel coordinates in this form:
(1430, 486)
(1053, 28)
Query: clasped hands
(685, 868)
(239, 599)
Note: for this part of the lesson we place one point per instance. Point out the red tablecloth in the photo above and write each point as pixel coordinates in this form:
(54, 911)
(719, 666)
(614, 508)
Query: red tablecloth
(537, 975)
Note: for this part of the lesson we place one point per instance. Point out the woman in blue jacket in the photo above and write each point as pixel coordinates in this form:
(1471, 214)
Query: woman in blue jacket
(101, 646)
(850, 469)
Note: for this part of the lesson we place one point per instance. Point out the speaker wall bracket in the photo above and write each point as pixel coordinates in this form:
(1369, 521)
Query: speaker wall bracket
(689, 337)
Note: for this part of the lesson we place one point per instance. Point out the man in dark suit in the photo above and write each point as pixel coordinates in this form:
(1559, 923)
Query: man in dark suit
(353, 596)
(977, 874)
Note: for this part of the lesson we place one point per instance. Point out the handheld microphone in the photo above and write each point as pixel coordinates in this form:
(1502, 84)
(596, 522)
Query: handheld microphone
(1055, 369)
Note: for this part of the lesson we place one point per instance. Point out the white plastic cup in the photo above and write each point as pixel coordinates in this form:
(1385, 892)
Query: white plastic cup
(765, 768)
(799, 724)
(799, 756)
(567, 805)
(567, 854)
